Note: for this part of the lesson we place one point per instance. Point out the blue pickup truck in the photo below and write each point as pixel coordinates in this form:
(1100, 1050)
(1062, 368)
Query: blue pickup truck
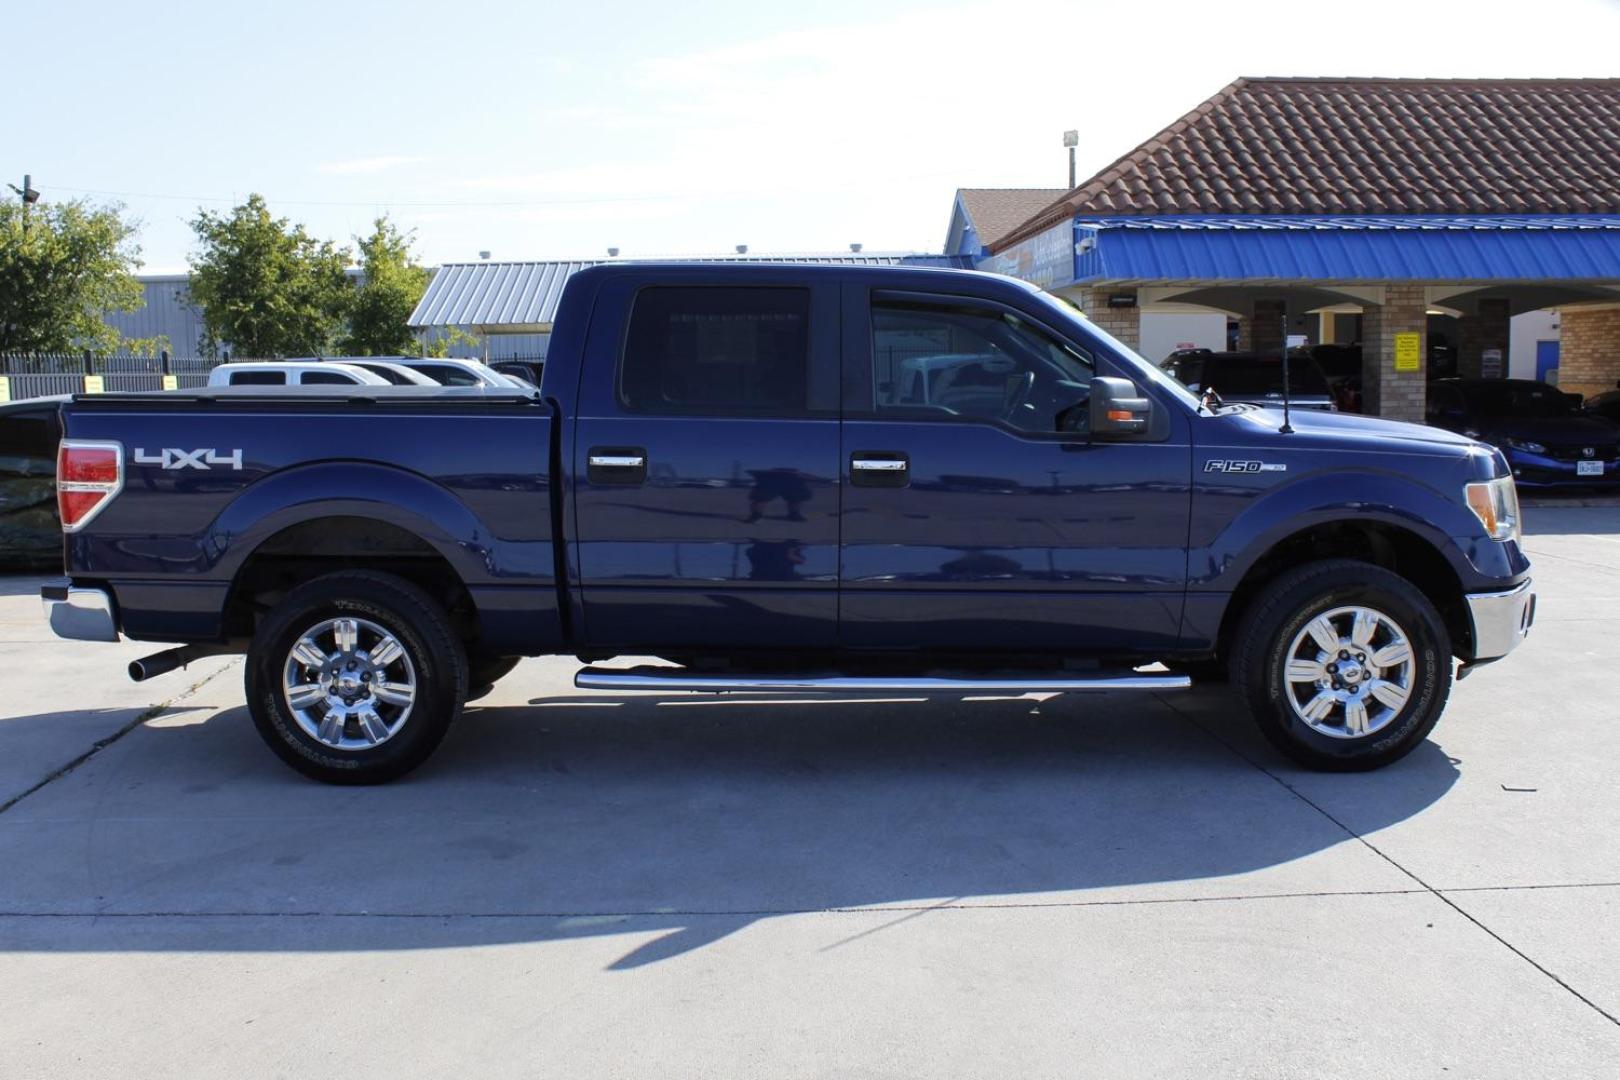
(791, 478)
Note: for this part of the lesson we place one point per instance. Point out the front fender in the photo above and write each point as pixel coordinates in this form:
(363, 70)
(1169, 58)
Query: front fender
(1236, 522)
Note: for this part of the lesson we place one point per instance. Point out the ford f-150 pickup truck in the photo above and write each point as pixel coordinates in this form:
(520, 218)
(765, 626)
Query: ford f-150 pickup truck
(791, 477)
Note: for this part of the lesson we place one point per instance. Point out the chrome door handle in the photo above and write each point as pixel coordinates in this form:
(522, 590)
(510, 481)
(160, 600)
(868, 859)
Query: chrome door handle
(879, 468)
(617, 461)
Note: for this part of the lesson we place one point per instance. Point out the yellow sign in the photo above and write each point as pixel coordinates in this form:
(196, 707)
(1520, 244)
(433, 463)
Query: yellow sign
(5, 388)
(171, 382)
(93, 384)
(1408, 352)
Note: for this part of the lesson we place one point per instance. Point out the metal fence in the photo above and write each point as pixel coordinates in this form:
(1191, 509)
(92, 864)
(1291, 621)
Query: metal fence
(32, 375)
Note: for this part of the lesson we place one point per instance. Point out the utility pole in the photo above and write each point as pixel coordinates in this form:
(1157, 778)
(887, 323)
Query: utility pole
(29, 197)
(1071, 139)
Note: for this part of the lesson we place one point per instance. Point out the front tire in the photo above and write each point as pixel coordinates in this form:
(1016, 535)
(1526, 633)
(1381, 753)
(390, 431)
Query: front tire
(355, 677)
(1345, 665)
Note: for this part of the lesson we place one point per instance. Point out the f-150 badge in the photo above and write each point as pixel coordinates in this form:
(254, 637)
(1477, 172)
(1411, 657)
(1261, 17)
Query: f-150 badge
(205, 458)
(1223, 465)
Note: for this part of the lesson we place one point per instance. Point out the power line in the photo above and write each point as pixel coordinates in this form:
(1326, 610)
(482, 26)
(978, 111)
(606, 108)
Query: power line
(364, 202)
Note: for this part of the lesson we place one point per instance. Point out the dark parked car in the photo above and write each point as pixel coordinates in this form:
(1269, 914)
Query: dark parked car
(1341, 364)
(1547, 438)
(30, 532)
(1253, 378)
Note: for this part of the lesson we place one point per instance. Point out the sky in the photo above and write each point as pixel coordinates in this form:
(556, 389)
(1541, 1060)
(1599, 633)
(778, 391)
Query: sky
(543, 130)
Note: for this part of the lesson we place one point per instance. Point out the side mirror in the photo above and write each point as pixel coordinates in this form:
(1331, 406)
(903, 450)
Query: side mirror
(1118, 408)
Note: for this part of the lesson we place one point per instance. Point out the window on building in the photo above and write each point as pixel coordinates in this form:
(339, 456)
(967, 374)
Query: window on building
(962, 361)
(728, 351)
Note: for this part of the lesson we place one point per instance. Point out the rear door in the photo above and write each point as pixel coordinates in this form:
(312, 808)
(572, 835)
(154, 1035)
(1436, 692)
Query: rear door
(706, 464)
(972, 520)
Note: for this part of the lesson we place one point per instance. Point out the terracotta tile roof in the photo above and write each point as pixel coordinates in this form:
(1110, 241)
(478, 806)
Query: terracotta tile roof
(995, 212)
(1371, 146)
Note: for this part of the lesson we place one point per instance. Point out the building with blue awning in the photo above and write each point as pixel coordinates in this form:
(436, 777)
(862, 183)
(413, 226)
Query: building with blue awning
(1354, 211)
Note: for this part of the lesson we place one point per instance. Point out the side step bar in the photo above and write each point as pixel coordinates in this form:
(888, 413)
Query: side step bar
(671, 678)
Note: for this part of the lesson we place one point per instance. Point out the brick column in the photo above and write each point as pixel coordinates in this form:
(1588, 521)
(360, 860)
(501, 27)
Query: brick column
(1245, 340)
(1398, 395)
(1124, 323)
(1488, 329)
(1589, 349)
(1266, 327)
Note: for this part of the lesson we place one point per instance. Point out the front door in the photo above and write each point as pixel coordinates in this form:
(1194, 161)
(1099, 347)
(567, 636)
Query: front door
(706, 467)
(972, 520)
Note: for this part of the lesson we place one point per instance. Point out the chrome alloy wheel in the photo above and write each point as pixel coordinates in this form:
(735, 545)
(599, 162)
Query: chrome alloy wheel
(349, 683)
(1349, 672)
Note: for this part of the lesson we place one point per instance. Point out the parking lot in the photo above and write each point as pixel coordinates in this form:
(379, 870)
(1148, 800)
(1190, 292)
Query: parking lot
(583, 885)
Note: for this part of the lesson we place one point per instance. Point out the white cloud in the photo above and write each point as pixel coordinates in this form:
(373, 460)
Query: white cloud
(368, 166)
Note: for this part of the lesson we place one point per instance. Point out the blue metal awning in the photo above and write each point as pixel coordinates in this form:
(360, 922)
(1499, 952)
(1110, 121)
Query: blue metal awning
(1371, 248)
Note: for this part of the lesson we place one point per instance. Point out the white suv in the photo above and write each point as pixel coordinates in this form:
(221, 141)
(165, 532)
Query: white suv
(293, 373)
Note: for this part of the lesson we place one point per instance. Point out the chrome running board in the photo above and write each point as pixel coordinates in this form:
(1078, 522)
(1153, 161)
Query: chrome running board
(672, 678)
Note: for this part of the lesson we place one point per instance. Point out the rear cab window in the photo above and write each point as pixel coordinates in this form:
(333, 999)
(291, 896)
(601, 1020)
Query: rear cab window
(717, 350)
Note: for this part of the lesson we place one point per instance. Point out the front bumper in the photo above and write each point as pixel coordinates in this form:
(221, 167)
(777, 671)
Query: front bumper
(1501, 620)
(79, 614)
(1540, 470)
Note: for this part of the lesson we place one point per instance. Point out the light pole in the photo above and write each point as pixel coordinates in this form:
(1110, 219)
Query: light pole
(1071, 139)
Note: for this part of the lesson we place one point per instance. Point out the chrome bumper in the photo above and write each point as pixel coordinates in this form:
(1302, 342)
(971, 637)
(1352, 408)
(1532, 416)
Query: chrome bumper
(1501, 620)
(79, 614)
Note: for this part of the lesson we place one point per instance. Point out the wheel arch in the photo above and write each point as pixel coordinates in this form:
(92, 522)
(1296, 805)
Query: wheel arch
(312, 546)
(1380, 543)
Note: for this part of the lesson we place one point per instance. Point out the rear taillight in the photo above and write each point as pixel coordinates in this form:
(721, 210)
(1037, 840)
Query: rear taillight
(88, 476)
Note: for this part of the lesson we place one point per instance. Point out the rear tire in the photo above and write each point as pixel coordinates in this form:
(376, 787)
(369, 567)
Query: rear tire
(1345, 665)
(355, 677)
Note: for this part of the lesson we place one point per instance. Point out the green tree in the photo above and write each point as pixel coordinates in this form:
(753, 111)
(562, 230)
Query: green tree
(453, 342)
(266, 287)
(391, 283)
(62, 266)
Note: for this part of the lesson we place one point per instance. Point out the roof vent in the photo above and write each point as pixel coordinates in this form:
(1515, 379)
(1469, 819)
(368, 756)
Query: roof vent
(483, 254)
(613, 253)
(856, 248)
(742, 249)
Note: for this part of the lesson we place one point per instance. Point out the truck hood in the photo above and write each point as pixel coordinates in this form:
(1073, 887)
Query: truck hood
(1336, 425)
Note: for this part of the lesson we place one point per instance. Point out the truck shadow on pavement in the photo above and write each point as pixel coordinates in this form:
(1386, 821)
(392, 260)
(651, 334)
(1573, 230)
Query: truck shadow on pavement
(680, 821)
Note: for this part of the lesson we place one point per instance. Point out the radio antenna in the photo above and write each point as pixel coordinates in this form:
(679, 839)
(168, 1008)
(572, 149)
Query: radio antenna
(1287, 427)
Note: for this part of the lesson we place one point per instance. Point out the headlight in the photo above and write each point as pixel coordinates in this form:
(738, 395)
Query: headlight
(1496, 504)
(1526, 445)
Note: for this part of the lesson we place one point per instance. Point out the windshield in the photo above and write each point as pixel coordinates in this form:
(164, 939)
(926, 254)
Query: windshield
(1525, 399)
(1066, 314)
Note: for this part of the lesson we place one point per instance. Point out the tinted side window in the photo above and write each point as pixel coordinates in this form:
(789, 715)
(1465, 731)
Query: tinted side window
(731, 351)
(258, 378)
(954, 361)
(326, 378)
(448, 375)
(28, 444)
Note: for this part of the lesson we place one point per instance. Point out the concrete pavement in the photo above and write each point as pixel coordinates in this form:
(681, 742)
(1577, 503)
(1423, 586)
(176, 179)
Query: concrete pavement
(584, 885)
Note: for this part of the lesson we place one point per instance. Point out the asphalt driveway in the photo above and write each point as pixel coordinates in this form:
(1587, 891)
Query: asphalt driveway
(588, 885)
